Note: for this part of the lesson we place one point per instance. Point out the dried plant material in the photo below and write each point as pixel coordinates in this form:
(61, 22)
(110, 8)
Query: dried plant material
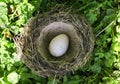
(33, 43)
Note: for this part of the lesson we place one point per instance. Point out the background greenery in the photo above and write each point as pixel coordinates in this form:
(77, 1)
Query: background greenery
(103, 16)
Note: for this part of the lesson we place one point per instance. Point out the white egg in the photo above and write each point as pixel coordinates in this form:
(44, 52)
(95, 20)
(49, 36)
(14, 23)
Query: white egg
(59, 45)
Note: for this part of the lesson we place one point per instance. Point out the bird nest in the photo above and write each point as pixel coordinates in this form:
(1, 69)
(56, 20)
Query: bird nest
(32, 44)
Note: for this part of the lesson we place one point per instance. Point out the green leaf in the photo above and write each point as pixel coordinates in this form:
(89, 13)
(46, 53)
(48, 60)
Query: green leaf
(116, 47)
(96, 68)
(93, 5)
(118, 29)
(52, 81)
(24, 69)
(3, 13)
(25, 75)
(35, 3)
(116, 73)
(117, 65)
(25, 11)
(13, 77)
(1, 72)
(17, 1)
(100, 55)
(109, 18)
(72, 82)
(109, 59)
(3, 8)
(27, 81)
(3, 20)
(91, 16)
(65, 78)
(10, 66)
(109, 80)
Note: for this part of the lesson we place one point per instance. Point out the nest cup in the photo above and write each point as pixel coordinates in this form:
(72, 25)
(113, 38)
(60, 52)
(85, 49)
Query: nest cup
(33, 43)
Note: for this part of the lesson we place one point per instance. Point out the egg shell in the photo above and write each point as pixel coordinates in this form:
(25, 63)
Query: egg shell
(59, 45)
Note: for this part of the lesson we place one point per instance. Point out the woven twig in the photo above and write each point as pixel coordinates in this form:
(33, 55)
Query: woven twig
(33, 47)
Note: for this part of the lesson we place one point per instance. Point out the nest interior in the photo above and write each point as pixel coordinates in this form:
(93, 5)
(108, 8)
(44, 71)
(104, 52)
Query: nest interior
(32, 45)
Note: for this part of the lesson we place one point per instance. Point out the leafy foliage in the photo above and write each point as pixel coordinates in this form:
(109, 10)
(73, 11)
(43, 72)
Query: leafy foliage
(103, 16)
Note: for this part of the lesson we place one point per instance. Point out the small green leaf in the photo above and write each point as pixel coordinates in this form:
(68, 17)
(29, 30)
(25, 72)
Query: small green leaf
(3, 20)
(65, 78)
(52, 81)
(13, 77)
(3, 8)
(35, 3)
(25, 75)
(91, 16)
(3, 13)
(118, 29)
(27, 81)
(24, 69)
(116, 47)
(9, 67)
(1, 73)
(117, 65)
(116, 73)
(25, 11)
(109, 80)
(109, 59)
(96, 68)
(17, 1)
(72, 82)
(100, 55)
